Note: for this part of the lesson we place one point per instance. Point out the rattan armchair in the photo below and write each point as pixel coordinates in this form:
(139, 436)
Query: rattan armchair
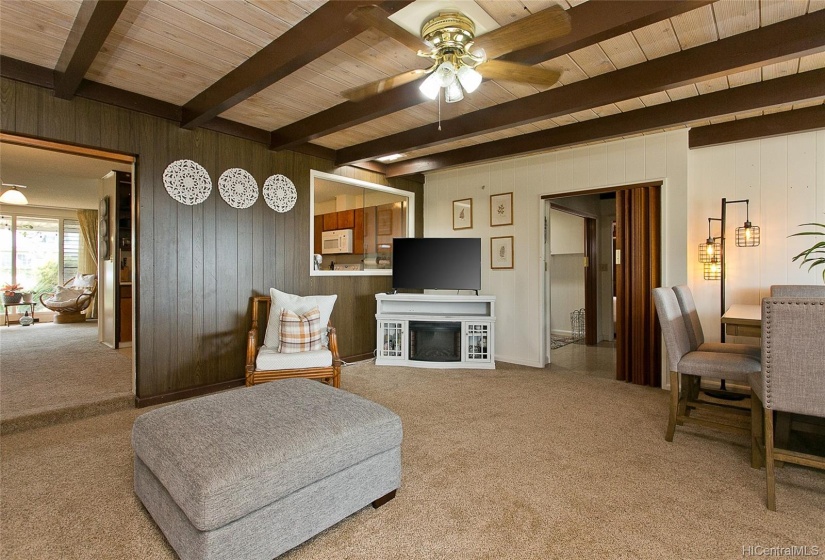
(70, 311)
(264, 364)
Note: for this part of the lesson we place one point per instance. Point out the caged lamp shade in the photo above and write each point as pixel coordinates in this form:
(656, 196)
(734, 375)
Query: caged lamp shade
(747, 235)
(709, 251)
(713, 270)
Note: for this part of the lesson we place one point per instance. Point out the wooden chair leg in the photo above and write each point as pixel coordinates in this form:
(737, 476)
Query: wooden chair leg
(674, 405)
(695, 387)
(769, 465)
(682, 408)
(757, 460)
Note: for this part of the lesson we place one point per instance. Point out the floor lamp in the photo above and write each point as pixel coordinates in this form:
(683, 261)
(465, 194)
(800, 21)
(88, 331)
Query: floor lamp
(712, 252)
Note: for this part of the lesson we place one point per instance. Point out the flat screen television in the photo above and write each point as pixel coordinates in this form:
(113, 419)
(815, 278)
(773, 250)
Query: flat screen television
(436, 263)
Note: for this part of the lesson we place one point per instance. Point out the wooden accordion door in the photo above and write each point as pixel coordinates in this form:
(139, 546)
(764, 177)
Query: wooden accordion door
(638, 271)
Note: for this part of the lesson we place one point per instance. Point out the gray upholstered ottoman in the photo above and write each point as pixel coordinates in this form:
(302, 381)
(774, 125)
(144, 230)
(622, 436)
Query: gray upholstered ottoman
(253, 472)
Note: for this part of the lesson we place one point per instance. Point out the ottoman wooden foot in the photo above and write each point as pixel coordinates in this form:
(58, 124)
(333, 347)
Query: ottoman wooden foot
(383, 499)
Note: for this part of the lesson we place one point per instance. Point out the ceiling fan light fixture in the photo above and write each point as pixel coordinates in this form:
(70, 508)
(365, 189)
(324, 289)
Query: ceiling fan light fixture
(431, 86)
(470, 78)
(14, 196)
(453, 93)
(446, 73)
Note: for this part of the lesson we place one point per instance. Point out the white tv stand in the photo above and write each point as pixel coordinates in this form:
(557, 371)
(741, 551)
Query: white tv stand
(435, 330)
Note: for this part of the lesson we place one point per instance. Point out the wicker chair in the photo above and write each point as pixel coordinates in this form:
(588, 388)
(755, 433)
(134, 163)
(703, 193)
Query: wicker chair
(70, 311)
(257, 353)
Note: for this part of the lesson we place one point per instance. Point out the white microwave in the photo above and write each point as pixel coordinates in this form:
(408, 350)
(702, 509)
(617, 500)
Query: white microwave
(336, 241)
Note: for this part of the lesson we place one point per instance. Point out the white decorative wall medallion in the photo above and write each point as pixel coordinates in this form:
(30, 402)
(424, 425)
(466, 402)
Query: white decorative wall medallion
(238, 188)
(280, 193)
(187, 182)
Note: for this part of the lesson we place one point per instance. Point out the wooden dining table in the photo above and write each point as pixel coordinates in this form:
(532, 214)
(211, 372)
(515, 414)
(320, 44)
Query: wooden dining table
(743, 320)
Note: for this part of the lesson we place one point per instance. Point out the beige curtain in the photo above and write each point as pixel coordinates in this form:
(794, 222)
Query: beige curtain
(87, 258)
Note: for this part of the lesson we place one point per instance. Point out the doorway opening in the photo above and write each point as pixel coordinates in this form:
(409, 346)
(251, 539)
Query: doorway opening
(602, 248)
(61, 364)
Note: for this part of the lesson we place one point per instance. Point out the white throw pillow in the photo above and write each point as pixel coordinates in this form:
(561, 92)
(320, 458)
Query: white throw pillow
(83, 281)
(299, 305)
(62, 294)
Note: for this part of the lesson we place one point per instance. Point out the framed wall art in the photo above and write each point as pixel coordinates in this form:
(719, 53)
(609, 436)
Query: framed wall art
(501, 209)
(501, 252)
(463, 213)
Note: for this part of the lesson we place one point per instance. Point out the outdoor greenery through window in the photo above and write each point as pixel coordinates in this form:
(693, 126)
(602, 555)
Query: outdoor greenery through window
(37, 252)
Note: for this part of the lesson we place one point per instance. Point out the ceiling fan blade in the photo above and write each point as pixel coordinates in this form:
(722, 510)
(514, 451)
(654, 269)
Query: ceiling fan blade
(375, 17)
(374, 88)
(513, 72)
(547, 24)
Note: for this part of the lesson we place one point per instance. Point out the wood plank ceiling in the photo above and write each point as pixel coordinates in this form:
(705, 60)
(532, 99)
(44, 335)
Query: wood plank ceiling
(275, 72)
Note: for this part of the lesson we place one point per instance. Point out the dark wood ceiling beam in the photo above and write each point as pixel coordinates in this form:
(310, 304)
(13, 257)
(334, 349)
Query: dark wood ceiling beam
(26, 72)
(775, 124)
(91, 27)
(799, 87)
(592, 21)
(792, 38)
(599, 20)
(323, 30)
(21, 71)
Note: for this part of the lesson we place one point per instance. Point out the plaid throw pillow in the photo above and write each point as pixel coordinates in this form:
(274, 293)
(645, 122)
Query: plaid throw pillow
(299, 333)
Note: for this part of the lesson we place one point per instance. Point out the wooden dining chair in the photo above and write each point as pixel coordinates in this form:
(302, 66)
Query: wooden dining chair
(791, 380)
(692, 365)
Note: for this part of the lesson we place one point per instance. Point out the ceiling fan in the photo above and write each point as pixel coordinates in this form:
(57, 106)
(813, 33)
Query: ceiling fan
(460, 60)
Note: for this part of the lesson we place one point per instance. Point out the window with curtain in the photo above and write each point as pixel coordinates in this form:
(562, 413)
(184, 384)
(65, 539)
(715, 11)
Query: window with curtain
(38, 252)
(71, 249)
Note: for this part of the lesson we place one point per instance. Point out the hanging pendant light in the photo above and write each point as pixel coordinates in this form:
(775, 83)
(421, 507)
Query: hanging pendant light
(14, 196)
(747, 235)
(709, 250)
(713, 270)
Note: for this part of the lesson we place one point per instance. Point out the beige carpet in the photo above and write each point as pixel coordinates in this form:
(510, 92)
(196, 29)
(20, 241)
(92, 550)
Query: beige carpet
(49, 371)
(512, 463)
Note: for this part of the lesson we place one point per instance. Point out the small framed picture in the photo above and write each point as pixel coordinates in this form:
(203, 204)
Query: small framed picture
(501, 209)
(501, 252)
(463, 213)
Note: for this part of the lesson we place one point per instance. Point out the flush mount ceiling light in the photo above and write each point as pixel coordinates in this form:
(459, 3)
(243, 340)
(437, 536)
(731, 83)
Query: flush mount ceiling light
(13, 195)
(459, 58)
(391, 157)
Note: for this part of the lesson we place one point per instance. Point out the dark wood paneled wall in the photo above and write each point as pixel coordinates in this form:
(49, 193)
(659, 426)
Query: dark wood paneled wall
(197, 266)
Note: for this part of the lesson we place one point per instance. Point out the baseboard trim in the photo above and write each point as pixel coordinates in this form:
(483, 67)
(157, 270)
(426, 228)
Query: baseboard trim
(359, 357)
(215, 387)
(188, 393)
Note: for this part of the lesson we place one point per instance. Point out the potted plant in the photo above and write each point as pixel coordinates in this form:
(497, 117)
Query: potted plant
(815, 254)
(11, 293)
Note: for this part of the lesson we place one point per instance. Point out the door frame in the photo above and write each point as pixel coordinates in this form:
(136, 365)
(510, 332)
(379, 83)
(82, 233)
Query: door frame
(118, 157)
(544, 281)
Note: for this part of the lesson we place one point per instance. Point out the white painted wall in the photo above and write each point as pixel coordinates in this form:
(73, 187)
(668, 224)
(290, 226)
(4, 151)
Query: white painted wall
(566, 290)
(566, 269)
(784, 179)
(566, 233)
(519, 292)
